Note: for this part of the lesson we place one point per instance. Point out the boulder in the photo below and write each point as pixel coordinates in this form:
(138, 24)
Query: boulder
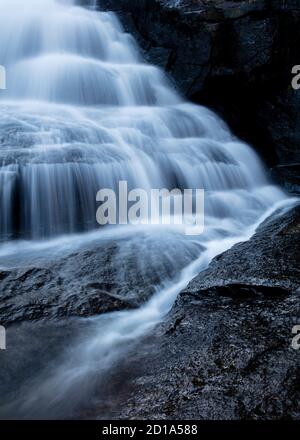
(86, 283)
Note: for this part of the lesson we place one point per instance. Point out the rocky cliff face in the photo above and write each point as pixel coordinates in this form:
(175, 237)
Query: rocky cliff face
(235, 57)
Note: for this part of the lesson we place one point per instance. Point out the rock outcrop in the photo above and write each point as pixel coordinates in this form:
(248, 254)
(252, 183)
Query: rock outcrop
(96, 276)
(85, 283)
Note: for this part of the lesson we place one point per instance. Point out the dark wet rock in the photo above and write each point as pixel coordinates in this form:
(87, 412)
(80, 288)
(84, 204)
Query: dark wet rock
(235, 57)
(99, 277)
(85, 283)
(267, 262)
(224, 351)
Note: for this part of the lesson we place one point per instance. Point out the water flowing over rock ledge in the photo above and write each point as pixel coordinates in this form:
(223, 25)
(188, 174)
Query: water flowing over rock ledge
(235, 57)
(96, 279)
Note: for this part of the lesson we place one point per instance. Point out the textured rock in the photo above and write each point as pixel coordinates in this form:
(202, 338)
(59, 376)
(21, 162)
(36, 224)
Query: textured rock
(224, 351)
(269, 261)
(100, 276)
(85, 283)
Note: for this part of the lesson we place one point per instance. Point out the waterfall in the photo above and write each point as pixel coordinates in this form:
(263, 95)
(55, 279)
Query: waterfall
(82, 111)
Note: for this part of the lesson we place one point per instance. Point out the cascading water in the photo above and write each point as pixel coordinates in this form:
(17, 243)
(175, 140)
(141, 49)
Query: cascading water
(81, 112)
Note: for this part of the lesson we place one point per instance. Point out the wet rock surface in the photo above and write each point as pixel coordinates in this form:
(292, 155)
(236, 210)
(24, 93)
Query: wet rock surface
(85, 283)
(98, 277)
(224, 351)
(269, 261)
(235, 57)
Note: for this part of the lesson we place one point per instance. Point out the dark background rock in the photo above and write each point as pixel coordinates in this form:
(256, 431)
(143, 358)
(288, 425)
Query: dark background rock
(235, 57)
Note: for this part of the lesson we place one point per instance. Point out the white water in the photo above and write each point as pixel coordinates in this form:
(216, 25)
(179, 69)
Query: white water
(81, 112)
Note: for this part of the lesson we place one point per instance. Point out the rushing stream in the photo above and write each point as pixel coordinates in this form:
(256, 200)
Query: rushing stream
(81, 112)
